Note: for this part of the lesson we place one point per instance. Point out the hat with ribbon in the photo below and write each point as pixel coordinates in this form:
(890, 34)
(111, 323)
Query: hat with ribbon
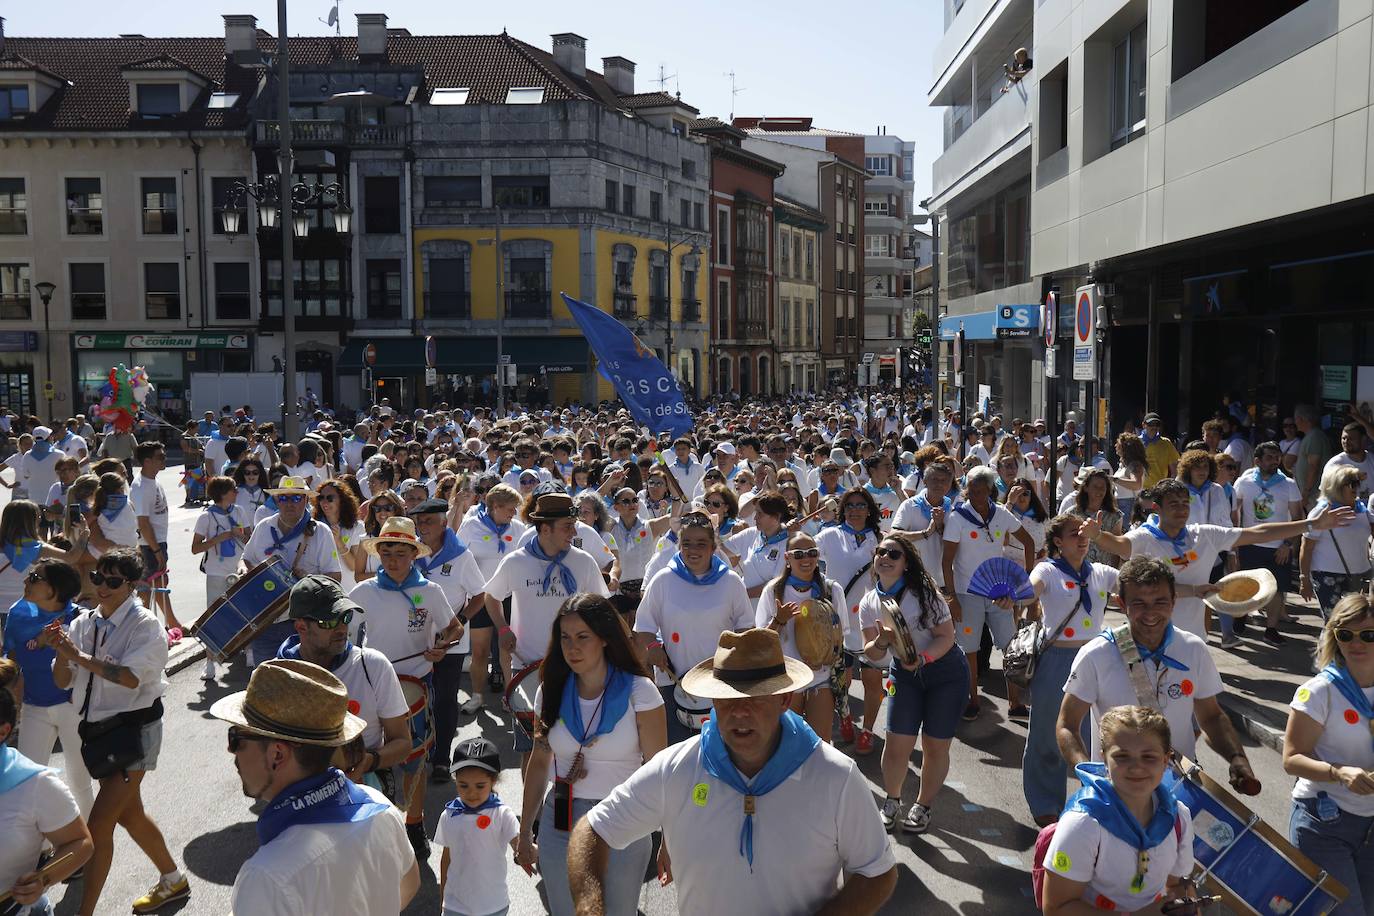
(747, 663)
(396, 530)
(291, 486)
(550, 507)
(293, 700)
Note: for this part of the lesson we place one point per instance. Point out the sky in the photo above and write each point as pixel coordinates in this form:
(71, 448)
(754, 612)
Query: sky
(801, 58)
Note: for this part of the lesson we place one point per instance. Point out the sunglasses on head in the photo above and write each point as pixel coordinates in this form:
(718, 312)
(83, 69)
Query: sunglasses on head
(290, 500)
(111, 581)
(237, 737)
(803, 553)
(892, 553)
(697, 520)
(1344, 635)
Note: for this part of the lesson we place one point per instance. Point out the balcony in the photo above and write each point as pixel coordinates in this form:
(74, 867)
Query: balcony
(886, 184)
(528, 303)
(659, 308)
(455, 305)
(1001, 132)
(878, 223)
(978, 30)
(624, 307)
(15, 308)
(750, 259)
(753, 330)
(334, 133)
(691, 310)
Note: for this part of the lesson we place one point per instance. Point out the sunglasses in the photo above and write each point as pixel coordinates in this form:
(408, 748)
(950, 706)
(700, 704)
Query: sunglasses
(33, 577)
(111, 581)
(238, 737)
(715, 504)
(290, 500)
(345, 618)
(856, 507)
(251, 474)
(1344, 635)
(803, 553)
(327, 498)
(627, 502)
(892, 553)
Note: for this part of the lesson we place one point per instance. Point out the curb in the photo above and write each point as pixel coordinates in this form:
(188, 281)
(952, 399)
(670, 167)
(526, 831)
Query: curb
(1261, 723)
(186, 653)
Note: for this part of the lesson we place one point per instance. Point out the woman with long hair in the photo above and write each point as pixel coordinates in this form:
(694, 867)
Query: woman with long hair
(112, 522)
(761, 554)
(251, 478)
(20, 547)
(600, 718)
(1129, 478)
(1030, 511)
(1095, 495)
(927, 695)
(339, 509)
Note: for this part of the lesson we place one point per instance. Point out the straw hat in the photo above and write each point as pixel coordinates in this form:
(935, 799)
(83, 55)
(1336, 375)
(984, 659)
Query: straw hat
(293, 700)
(397, 530)
(291, 486)
(748, 663)
(1242, 592)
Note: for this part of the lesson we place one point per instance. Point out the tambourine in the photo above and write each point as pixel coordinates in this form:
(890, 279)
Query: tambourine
(902, 644)
(819, 633)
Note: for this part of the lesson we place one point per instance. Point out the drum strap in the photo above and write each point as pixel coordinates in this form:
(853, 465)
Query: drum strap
(1145, 693)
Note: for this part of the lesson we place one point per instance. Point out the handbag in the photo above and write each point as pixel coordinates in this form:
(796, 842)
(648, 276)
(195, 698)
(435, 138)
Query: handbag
(1353, 582)
(1022, 654)
(112, 745)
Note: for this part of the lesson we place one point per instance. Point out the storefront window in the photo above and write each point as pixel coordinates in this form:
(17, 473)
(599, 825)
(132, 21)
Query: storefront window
(93, 370)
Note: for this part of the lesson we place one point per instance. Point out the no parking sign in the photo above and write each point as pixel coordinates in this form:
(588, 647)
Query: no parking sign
(1084, 333)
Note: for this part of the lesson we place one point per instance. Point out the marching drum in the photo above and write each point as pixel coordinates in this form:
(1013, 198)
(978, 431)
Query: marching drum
(416, 694)
(519, 696)
(903, 647)
(692, 711)
(250, 605)
(1254, 869)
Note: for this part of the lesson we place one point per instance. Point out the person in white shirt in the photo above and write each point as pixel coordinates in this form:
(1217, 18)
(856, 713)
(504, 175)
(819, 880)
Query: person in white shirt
(1327, 747)
(490, 529)
(38, 467)
(882, 487)
(802, 837)
(1335, 563)
(1150, 662)
(113, 658)
(986, 446)
(353, 448)
(215, 446)
(70, 442)
(150, 505)
(1265, 494)
(219, 535)
(921, 519)
(685, 466)
(478, 832)
(326, 844)
(1207, 500)
(112, 521)
(1354, 454)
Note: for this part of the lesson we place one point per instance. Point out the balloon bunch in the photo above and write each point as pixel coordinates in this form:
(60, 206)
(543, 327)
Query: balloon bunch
(124, 392)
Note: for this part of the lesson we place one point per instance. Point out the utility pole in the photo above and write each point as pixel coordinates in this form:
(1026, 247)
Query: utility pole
(500, 323)
(290, 421)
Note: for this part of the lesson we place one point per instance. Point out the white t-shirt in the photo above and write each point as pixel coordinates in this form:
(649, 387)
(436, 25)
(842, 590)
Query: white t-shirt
(1344, 741)
(587, 539)
(319, 555)
(910, 605)
(758, 564)
(888, 500)
(819, 824)
(635, 545)
(123, 528)
(371, 683)
(1099, 678)
(1211, 508)
(460, 579)
(613, 757)
(39, 474)
(21, 487)
(250, 502)
(307, 469)
(911, 516)
(520, 577)
(768, 609)
(147, 498)
(399, 624)
(1202, 545)
(1060, 597)
(1082, 850)
(484, 544)
(842, 557)
(1354, 541)
(478, 849)
(1011, 547)
(977, 543)
(1259, 505)
(210, 524)
(215, 452)
(38, 805)
(353, 868)
(689, 618)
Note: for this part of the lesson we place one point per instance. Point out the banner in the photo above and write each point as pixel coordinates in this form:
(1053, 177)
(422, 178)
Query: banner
(642, 381)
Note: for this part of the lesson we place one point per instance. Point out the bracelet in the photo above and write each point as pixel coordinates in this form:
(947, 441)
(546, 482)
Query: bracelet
(926, 659)
(656, 644)
(502, 631)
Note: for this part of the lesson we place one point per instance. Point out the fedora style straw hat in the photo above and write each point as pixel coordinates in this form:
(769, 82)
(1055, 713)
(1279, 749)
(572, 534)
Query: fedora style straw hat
(747, 663)
(397, 530)
(551, 507)
(1242, 592)
(290, 486)
(293, 700)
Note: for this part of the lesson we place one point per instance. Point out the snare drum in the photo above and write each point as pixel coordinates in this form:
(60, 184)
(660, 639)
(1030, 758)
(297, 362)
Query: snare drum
(692, 711)
(519, 696)
(249, 606)
(1254, 869)
(416, 693)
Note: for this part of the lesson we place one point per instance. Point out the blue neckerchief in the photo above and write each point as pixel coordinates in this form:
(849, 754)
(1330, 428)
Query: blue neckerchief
(22, 554)
(726, 526)
(797, 744)
(15, 768)
(1199, 492)
(413, 579)
(217, 435)
(254, 495)
(971, 515)
(291, 648)
(615, 700)
(878, 490)
(1157, 655)
(1341, 678)
(1180, 543)
(230, 547)
(66, 438)
(451, 549)
(687, 466)
(40, 448)
(1019, 514)
(458, 809)
(928, 510)
(820, 488)
(1360, 507)
(1002, 486)
(114, 504)
(718, 568)
(329, 798)
(565, 575)
(1098, 799)
(1148, 439)
(733, 471)
(766, 542)
(1081, 576)
(278, 542)
(1230, 492)
(895, 590)
(490, 525)
(1265, 484)
(859, 535)
(801, 585)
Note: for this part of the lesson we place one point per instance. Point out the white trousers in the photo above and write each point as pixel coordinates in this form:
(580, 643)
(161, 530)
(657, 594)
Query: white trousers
(39, 729)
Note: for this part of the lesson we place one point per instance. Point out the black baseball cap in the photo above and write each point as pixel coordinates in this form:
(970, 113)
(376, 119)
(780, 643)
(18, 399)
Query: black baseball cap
(476, 752)
(320, 598)
(429, 505)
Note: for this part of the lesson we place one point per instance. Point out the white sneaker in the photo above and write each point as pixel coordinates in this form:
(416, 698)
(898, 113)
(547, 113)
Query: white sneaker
(889, 810)
(917, 819)
(1230, 642)
(471, 705)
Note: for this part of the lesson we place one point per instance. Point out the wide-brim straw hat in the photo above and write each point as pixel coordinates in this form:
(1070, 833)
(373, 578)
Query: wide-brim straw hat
(397, 530)
(1242, 592)
(747, 663)
(293, 700)
(291, 486)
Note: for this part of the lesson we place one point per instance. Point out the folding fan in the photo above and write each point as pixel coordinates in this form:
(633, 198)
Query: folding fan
(1001, 577)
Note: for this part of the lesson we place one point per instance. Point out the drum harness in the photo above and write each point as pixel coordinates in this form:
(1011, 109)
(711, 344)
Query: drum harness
(1146, 694)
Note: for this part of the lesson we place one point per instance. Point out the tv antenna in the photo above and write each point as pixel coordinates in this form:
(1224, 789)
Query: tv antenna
(735, 90)
(663, 79)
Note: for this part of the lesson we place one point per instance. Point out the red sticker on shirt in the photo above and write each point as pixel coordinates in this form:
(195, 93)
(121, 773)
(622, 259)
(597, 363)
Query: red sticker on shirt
(353, 707)
(1068, 586)
(1068, 632)
(509, 538)
(854, 609)
(973, 535)
(643, 533)
(483, 822)
(1104, 903)
(1187, 687)
(675, 638)
(1352, 717)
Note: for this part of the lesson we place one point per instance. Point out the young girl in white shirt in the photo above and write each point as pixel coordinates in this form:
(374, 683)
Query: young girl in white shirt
(475, 830)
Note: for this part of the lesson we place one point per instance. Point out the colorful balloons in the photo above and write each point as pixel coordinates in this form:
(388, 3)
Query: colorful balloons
(123, 393)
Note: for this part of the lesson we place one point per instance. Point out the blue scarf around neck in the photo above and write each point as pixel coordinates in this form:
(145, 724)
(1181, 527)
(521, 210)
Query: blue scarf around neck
(801, 585)
(718, 569)
(895, 591)
(329, 798)
(615, 700)
(1179, 543)
(451, 549)
(565, 574)
(490, 525)
(859, 534)
(766, 542)
(279, 542)
(1156, 655)
(413, 579)
(457, 808)
(1099, 800)
(22, 554)
(41, 448)
(1081, 576)
(928, 510)
(15, 768)
(114, 504)
(291, 648)
(227, 548)
(1340, 677)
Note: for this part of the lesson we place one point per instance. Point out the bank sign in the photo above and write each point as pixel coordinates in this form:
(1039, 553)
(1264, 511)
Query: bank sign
(1017, 321)
(161, 341)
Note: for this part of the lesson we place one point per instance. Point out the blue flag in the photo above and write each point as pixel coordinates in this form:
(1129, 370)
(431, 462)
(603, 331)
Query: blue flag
(642, 381)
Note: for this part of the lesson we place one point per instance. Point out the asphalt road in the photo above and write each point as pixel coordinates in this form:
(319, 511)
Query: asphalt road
(975, 859)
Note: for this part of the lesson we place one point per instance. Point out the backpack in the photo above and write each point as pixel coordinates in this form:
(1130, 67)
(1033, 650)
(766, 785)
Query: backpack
(1042, 846)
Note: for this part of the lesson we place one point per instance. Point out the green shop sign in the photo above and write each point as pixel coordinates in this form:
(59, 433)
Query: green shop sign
(161, 341)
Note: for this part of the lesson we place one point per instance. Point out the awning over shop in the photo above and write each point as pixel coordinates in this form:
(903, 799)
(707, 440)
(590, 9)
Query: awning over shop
(468, 354)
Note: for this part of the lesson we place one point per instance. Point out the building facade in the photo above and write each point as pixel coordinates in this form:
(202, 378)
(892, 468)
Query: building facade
(801, 231)
(890, 250)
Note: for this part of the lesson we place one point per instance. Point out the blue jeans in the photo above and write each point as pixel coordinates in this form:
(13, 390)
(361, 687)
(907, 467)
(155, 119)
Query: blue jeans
(1043, 771)
(624, 869)
(1344, 846)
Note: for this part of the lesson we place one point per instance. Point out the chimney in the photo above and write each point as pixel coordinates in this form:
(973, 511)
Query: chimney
(2, 34)
(372, 35)
(570, 53)
(240, 34)
(620, 73)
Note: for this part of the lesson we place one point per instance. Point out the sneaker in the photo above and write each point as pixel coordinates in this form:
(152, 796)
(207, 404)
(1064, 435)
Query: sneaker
(471, 706)
(971, 711)
(1230, 642)
(439, 773)
(1273, 636)
(917, 819)
(1020, 713)
(496, 680)
(865, 743)
(891, 807)
(847, 730)
(161, 895)
(418, 841)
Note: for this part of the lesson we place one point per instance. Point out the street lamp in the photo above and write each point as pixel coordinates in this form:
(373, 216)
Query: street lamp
(920, 220)
(45, 291)
(500, 315)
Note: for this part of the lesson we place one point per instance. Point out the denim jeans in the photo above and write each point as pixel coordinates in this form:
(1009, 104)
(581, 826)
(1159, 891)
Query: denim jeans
(1044, 773)
(624, 870)
(1343, 846)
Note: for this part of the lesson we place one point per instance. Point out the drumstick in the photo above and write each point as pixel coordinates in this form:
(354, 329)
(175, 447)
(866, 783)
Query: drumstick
(406, 658)
(51, 866)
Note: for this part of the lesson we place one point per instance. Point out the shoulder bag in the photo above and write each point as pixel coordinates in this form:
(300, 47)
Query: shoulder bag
(1022, 655)
(112, 745)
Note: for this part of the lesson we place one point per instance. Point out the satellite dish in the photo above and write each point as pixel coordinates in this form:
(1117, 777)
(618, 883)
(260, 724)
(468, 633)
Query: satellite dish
(333, 14)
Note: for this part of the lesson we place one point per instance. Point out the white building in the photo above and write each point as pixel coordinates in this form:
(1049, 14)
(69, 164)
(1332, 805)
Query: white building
(890, 255)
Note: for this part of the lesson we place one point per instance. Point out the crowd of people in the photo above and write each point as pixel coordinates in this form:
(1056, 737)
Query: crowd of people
(691, 640)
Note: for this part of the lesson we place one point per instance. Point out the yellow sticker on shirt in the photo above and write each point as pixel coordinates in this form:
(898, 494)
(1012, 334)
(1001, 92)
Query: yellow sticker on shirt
(1304, 694)
(700, 792)
(1062, 862)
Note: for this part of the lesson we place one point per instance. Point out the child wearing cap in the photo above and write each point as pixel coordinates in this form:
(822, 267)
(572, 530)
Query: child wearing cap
(475, 830)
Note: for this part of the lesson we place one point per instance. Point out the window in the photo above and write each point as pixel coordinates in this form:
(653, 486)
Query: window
(447, 296)
(382, 205)
(1128, 87)
(784, 253)
(689, 170)
(797, 323)
(623, 272)
(878, 165)
(989, 246)
(723, 236)
(518, 95)
(453, 191)
(1204, 31)
(317, 284)
(221, 191)
(447, 96)
(222, 100)
(810, 260)
(686, 219)
(529, 271)
(231, 291)
(658, 284)
(85, 207)
(87, 291)
(627, 199)
(876, 206)
(723, 308)
(14, 101)
(698, 216)
(384, 289)
(655, 206)
(159, 206)
(878, 246)
(612, 196)
(162, 290)
(16, 299)
(786, 319)
(14, 207)
(520, 192)
(158, 100)
(810, 323)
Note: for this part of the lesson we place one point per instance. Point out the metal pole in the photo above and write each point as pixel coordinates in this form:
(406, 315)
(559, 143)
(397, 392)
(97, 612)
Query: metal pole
(672, 363)
(284, 219)
(935, 321)
(500, 323)
(47, 348)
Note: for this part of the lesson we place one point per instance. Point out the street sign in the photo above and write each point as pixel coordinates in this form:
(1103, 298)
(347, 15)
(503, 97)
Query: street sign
(868, 358)
(1016, 322)
(431, 353)
(370, 354)
(1084, 334)
(1051, 360)
(1049, 317)
(49, 389)
(509, 378)
(431, 376)
(505, 358)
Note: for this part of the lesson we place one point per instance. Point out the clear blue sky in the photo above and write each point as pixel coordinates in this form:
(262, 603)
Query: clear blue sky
(789, 58)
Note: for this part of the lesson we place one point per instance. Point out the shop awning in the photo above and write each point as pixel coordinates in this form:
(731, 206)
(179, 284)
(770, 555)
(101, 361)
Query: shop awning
(406, 355)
